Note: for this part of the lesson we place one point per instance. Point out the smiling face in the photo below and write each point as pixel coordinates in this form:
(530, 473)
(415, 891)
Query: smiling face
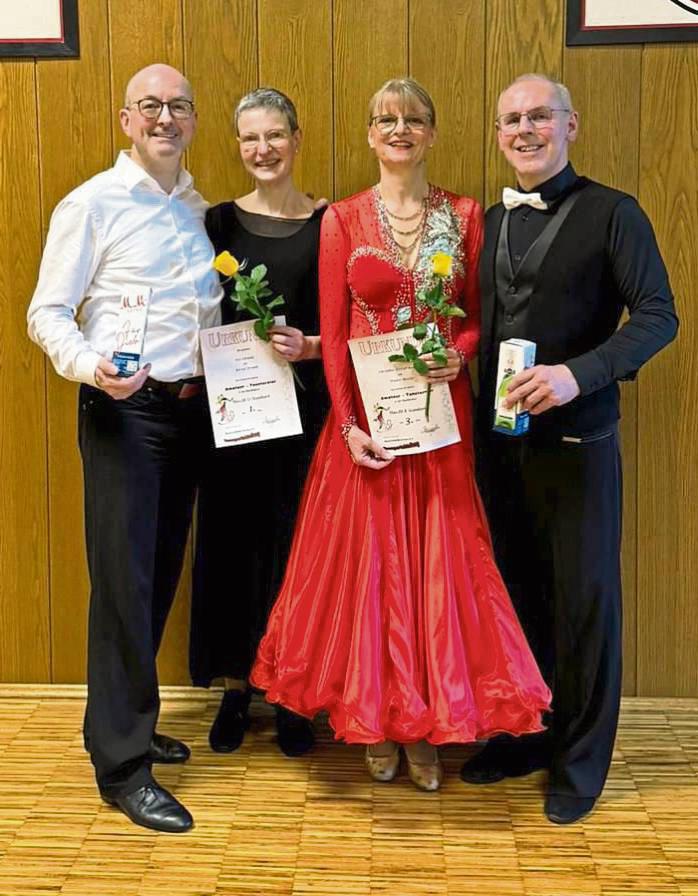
(267, 146)
(536, 154)
(161, 141)
(408, 142)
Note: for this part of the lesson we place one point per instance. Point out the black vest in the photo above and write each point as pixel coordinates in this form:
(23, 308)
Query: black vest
(573, 306)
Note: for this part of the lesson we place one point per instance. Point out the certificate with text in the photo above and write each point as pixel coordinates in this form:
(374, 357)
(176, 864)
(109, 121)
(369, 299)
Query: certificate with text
(395, 397)
(251, 393)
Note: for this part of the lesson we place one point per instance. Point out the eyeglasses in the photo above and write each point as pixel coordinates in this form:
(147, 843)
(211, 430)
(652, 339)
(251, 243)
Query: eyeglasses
(540, 117)
(386, 124)
(150, 108)
(275, 139)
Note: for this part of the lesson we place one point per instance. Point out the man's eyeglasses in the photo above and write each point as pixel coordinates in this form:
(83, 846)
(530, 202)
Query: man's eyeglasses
(540, 117)
(150, 108)
(386, 124)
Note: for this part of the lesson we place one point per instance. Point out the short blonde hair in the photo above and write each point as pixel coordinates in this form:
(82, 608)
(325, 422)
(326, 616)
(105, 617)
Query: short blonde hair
(408, 91)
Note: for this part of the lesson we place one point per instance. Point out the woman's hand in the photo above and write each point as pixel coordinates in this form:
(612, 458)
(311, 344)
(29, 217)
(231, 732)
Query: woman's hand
(443, 373)
(288, 342)
(365, 452)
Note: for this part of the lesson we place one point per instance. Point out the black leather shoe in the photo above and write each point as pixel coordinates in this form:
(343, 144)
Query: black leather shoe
(167, 750)
(568, 809)
(153, 807)
(295, 733)
(488, 768)
(231, 722)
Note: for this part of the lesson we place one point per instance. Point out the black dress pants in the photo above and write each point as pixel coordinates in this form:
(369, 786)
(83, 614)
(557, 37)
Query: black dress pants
(140, 459)
(555, 513)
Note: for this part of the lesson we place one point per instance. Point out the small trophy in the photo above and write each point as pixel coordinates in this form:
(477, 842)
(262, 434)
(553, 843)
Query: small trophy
(130, 331)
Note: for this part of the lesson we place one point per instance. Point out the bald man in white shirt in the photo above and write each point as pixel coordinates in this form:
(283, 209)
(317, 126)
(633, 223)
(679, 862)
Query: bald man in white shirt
(134, 230)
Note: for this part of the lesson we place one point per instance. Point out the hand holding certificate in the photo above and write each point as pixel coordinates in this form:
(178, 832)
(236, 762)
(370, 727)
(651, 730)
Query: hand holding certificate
(251, 394)
(395, 395)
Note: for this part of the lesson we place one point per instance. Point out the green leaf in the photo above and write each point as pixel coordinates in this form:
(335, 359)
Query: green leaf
(440, 357)
(258, 273)
(428, 346)
(420, 331)
(240, 284)
(455, 311)
(420, 366)
(409, 351)
(279, 300)
(397, 358)
(261, 330)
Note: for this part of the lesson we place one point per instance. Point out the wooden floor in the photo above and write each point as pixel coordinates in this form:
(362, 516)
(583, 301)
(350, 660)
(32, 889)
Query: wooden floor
(317, 825)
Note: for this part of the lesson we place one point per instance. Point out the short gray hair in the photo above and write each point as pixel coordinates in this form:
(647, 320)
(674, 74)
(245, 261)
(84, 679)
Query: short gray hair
(562, 91)
(267, 98)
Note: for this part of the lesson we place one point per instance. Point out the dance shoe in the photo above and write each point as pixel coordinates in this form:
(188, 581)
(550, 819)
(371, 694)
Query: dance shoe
(295, 733)
(383, 768)
(568, 809)
(153, 807)
(167, 750)
(228, 728)
(425, 775)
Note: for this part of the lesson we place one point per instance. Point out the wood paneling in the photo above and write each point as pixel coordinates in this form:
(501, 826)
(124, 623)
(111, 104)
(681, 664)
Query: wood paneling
(668, 471)
(59, 125)
(220, 53)
(370, 46)
(295, 56)
(603, 152)
(521, 37)
(450, 62)
(24, 592)
(80, 90)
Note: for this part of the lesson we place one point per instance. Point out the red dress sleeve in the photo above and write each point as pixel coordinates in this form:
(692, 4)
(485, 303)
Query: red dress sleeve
(335, 301)
(468, 335)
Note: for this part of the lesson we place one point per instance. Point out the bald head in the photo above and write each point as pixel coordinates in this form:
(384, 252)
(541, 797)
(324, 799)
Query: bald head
(148, 80)
(562, 94)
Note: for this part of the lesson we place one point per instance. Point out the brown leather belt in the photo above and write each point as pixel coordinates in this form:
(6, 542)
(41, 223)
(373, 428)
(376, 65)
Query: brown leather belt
(177, 389)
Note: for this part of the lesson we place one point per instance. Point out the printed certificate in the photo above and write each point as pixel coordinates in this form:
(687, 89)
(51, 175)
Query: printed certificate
(395, 397)
(251, 393)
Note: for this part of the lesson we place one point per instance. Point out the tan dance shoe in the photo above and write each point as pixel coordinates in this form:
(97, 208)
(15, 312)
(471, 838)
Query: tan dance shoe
(383, 768)
(425, 775)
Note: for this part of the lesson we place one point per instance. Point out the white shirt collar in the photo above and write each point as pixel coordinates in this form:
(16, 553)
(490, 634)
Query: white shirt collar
(133, 175)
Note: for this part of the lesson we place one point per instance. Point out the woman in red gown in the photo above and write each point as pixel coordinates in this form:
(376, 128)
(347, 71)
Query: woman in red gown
(392, 615)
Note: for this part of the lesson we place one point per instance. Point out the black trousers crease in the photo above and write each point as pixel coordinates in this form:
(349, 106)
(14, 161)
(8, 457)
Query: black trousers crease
(141, 458)
(555, 513)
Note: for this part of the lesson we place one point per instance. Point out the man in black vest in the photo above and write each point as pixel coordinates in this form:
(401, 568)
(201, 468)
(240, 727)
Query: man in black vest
(563, 257)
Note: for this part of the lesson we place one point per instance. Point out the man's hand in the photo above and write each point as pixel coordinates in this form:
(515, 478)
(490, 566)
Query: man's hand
(365, 452)
(443, 374)
(288, 342)
(542, 387)
(119, 387)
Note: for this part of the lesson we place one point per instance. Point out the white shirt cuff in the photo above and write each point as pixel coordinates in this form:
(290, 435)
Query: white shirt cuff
(86, 366)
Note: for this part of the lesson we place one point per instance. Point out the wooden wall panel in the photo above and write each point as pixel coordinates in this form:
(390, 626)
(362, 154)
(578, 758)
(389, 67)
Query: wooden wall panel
(521, 37)
(59, 124)
(80, 89)
(450, 62)
(608, 150)
(24, 593)
(221, 71)
(668, 471)
(370, 46)
(295, 56)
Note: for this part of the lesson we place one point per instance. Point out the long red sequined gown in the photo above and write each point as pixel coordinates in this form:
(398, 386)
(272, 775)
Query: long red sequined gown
(392, 615)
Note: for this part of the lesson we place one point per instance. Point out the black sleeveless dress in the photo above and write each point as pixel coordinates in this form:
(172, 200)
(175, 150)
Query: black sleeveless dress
(249, 494)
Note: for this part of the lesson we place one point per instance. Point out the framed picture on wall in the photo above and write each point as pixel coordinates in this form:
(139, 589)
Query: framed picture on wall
(631, 21)
(39, 28)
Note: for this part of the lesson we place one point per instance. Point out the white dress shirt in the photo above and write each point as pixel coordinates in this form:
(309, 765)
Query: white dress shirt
(118, 233)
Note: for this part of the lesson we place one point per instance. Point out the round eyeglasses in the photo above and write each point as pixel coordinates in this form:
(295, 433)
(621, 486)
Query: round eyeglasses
(386, 124)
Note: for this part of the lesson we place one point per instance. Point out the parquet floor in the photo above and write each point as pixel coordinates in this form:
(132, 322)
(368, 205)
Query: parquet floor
(317, 826)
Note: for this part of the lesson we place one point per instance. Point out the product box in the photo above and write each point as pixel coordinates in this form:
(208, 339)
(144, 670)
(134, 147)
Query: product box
(130, 331)
(515, 355)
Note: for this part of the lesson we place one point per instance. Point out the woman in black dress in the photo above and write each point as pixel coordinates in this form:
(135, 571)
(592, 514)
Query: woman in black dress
(250, 493)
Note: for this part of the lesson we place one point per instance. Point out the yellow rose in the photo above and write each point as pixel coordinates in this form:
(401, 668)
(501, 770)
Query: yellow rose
(441, 264)
(226, 264)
